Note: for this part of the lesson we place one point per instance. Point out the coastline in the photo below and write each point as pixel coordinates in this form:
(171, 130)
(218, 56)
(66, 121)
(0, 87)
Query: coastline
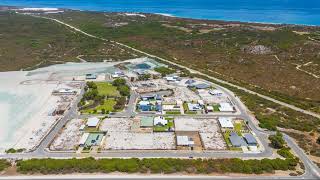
(230, 19)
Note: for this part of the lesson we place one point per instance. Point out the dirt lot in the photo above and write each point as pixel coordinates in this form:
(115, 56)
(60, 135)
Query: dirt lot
(70, 136)
(116, 124)
(208, 129)
(131, 140)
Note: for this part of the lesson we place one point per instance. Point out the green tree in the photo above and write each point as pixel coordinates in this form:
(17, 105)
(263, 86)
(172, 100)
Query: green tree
(277, 141)
(119, 82)
(124, 90)
(144, 77)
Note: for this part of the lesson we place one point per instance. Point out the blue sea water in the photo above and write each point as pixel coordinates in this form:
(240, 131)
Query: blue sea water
(267, 11)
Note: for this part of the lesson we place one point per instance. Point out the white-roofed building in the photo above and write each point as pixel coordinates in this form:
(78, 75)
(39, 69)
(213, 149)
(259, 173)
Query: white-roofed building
(144, 103)
(93, 122)
(83, 139)
(200, 102)
(193, 107)
(169, 107)
(64, 91)
(210, 108)
(216, 92)
(160, 120)
(81, 128)
(226, 122)
(184, 141)
(225, 107)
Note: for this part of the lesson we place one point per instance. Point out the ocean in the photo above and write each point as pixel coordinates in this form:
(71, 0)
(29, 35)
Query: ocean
(267, 11)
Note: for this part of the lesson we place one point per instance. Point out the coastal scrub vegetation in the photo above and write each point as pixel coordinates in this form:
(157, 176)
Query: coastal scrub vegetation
(164, 70)
(4, 164)
(28, 43)
(277, 141)
(260, 57)
(157, 165)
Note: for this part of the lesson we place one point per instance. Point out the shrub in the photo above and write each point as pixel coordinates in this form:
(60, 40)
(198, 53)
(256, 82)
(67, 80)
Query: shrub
(164, 70)
(156, 165)
(4, 164)
(277, 141)
(119, 82)
(285, 152)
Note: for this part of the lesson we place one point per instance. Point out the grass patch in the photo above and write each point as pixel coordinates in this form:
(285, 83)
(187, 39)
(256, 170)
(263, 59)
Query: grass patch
(216, 107)
(4, 164)
(107, 106)
(226, 136)
(107, 89)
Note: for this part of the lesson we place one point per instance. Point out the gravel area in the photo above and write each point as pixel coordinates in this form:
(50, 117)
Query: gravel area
(131, 140)
(69, 137)
(183, 94)
(116, 124)
(151, 85)
(208, 129)
(193, 124)
(211, 99)
(213, 141)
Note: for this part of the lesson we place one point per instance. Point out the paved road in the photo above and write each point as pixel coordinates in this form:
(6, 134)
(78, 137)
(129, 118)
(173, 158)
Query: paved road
(311, 171)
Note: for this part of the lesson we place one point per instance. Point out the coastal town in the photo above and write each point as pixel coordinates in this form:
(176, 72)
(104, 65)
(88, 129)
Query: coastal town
(138, 104)
(144, 114)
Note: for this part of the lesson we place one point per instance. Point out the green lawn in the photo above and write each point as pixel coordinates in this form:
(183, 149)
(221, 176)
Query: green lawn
(107, 89)
(216, 107)
(226, 136)
(238, 127)
(107, 105)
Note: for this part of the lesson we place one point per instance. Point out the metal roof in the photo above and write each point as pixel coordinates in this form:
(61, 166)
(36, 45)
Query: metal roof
(94, 139)
(146, 122)
(225, 107)
(250, 139)
(184, 141)
(202, 86)
(190, 81)
(236, 140)
(225, 122)
(93, 122)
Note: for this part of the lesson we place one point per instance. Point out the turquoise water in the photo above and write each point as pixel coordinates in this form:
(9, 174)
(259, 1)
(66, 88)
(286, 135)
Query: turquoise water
(269, 11)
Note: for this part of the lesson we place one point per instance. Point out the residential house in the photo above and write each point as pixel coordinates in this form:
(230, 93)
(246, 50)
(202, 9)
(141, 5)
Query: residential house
(225, 107)
(236, 140)
(226, 122)
(202, 86)
(91, 76)
(160, 121)
(249, 138)
(184, 141)
(193, 107)
(93, 122)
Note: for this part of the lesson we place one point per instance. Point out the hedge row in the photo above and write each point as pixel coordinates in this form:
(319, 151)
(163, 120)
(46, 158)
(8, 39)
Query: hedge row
(155, 165)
